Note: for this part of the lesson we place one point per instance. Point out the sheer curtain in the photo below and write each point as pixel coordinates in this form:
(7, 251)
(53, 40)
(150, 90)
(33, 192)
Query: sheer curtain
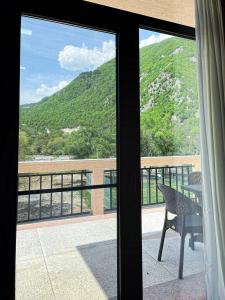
(211, 73)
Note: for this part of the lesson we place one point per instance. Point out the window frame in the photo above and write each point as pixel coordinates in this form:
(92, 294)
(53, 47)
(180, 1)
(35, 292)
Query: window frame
(126, 26)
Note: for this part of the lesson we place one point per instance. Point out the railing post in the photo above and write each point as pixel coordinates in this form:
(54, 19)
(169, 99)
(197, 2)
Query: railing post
(97, 198)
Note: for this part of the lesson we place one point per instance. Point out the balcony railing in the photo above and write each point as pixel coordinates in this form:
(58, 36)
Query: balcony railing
(110, 194)
(174, 176)
(50, 195)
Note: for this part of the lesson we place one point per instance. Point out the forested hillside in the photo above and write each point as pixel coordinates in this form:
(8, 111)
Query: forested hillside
(79, 120)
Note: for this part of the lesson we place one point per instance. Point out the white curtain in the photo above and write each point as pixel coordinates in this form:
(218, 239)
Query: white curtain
(211, 75)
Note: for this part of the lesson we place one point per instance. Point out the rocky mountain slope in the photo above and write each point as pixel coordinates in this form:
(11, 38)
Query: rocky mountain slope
(79, 120)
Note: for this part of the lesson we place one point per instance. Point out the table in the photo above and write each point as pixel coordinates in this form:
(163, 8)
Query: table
(197, 190)
(194, 188)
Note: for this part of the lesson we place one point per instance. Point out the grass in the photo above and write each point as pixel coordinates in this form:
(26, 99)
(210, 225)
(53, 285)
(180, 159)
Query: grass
(150, 194)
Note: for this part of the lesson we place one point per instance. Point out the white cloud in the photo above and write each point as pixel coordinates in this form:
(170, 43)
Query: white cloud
(28, 96)
(153, 38)
(26, 31)
(22, 68)
(45, 90)
(75, 58)
(32, 96)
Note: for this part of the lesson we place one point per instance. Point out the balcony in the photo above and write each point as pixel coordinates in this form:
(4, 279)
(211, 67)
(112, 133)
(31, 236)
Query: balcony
(66, 244)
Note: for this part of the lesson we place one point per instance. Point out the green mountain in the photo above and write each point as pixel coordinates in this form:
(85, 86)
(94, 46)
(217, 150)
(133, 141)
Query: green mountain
(79, 120)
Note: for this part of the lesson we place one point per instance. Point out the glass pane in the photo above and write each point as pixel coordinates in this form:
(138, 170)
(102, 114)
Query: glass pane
(66, 244)
(170, 159)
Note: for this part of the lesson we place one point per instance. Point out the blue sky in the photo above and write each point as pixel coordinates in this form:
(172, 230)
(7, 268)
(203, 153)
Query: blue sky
(52, 54)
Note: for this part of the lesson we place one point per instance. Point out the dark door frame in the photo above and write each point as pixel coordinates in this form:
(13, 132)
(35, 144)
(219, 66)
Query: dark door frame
(126, 25)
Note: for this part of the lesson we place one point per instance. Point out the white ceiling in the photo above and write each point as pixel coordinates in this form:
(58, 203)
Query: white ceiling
(177, 11)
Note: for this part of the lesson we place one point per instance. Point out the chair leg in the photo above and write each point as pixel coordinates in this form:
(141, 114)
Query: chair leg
(162, 241)
(181, 263)
(192, 241)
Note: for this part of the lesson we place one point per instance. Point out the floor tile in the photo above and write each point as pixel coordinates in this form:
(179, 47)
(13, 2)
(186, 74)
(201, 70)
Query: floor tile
(78, 261)
(32, 281)
(153, 272)
(64, 238)
(28, 245)
(190, 288)
(72, 279)
(193, 260)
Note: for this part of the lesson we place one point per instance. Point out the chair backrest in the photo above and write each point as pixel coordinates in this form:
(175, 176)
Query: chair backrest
(176, 202)
(195, 178)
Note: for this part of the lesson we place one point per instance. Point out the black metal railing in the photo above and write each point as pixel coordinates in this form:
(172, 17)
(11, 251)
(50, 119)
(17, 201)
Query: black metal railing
(174, 176)
(110, 194)
(50, 195)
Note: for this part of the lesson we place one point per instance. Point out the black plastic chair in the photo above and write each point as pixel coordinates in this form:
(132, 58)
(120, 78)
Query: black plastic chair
(187, 220)
(195, 178)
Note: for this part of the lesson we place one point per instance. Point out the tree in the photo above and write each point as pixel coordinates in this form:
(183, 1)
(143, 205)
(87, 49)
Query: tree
(23, 145)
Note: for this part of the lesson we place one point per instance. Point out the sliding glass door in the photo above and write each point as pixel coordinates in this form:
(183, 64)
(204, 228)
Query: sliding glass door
(172, 224)
(78, 179)
(67, 178)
